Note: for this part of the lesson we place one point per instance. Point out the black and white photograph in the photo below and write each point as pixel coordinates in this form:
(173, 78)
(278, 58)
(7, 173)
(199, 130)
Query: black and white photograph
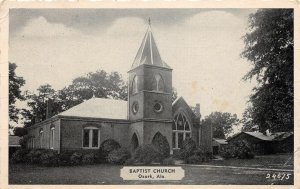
(151, 96)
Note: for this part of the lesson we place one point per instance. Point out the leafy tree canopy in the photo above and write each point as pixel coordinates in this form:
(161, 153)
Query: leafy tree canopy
(269, 46)
(99, 84)
(15, 93)
(221, 123)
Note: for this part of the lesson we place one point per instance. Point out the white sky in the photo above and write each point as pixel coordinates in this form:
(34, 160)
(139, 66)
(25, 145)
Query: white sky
(203, 49)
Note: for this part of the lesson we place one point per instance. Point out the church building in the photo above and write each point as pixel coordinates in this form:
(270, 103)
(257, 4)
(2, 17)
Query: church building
(148, 113)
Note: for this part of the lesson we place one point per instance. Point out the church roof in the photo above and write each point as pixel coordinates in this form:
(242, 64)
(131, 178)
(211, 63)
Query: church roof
(99, 108)
(148, 52)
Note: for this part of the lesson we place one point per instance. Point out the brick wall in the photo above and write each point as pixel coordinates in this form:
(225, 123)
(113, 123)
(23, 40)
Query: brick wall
(72, 132)
(34, 133)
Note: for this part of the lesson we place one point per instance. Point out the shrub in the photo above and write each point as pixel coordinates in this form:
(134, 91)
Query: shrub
(75, 158)
(238, 150)
(118, 156)
(106, 147)
(129, 161)
(23, 141)
(203, 156)
(194, 159)
(161, 143)
(146, 154)
(88, 158)
(187, 150)
(245, 153)
(227, 153)
(64, 158)
(34, 156)
(20, 156)
(49, 158)
(168, 161)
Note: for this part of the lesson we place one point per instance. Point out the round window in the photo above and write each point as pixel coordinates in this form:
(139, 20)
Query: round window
(135, 107)
(158, 107)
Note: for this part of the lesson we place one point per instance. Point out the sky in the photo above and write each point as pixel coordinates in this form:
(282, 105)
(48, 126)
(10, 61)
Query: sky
(202, 46)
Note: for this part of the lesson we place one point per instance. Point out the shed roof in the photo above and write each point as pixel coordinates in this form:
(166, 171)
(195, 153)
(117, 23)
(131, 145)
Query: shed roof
(261, 136)
(14, 140)
(99, 108)
(220, 141)
(274, 136)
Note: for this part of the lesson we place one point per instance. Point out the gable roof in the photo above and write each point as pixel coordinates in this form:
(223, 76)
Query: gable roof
(148, 52)
(14, 141)
(99, 108)
(181, 99)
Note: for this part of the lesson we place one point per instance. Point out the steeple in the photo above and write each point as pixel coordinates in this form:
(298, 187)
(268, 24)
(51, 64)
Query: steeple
(148, 52)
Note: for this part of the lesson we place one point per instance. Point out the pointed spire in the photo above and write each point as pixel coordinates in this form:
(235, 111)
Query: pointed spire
(148, 52)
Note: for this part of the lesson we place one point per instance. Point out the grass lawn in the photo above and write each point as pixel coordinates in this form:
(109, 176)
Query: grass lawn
(110, 174)
(278, 161)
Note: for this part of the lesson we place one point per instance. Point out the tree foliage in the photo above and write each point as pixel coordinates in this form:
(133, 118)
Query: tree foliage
(37, 103)
(20, 131)
(221, 123)
(15, 93)
(174, 94)
(97, 84)
(247, 120)
(269, 46)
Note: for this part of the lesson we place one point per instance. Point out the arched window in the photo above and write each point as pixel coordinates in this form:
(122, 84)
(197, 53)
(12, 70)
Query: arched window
(135, 85)
(181, 130)
(41, 136)
(158, 83)
(52, 131)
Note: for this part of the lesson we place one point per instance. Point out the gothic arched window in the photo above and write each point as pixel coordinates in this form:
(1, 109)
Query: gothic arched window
(158, 83)
(135, 85)
(181, 129)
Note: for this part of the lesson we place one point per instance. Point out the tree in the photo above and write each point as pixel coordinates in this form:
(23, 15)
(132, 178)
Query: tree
(20, 131)
(247, 120)
(15, 84)
(269, 46)
(221, 123)
(97, 84)
(45, 100)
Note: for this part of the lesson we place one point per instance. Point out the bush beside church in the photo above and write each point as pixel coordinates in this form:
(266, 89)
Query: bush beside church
(111, 152)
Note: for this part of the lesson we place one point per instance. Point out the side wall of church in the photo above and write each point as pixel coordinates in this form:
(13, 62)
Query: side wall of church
(43, 141)
(72, 133)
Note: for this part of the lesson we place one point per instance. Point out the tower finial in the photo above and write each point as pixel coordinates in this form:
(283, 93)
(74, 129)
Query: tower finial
(149, 21)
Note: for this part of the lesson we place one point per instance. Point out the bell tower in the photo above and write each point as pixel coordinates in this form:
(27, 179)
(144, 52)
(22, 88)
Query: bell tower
(150, 93)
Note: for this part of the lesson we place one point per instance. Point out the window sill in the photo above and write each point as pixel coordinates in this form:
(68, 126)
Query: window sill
(92, 148)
